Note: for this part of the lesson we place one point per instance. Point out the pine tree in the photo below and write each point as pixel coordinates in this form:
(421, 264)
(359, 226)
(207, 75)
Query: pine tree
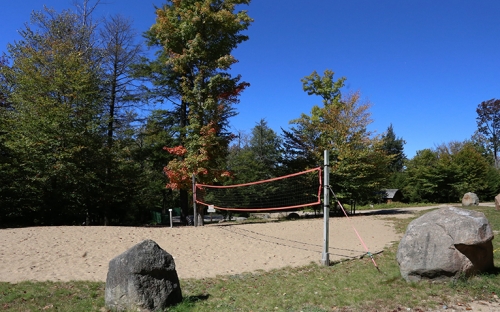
(53, 126)
(394, 147)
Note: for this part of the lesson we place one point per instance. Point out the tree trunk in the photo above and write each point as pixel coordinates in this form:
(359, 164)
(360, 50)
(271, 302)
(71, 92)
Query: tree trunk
(111, 125)
(184, 198)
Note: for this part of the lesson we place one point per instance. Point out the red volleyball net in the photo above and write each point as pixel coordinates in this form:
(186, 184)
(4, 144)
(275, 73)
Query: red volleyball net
(288, 192)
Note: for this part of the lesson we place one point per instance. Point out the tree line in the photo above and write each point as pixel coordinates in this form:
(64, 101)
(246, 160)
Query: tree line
(82, 143)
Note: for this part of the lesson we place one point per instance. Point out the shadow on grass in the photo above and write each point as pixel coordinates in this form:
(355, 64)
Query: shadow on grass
(495, 271)
(198, 298)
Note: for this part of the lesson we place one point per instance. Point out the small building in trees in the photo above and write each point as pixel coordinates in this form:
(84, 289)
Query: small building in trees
(391, 195)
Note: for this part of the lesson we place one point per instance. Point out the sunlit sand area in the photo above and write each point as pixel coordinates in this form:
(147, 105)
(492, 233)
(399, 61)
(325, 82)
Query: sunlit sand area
(82, 253)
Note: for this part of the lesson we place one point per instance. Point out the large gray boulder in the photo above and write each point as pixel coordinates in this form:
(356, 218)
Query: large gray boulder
(470, 199)
(444, 244)
(142, 278)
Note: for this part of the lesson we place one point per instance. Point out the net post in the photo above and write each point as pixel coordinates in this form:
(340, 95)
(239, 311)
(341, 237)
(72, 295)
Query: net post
(195, 214)
(325, 259)
(170, 215)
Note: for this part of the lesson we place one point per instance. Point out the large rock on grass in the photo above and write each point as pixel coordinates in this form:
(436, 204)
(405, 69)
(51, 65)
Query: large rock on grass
(470, 199)
(497, 202)
(142, 278)
(445, 244)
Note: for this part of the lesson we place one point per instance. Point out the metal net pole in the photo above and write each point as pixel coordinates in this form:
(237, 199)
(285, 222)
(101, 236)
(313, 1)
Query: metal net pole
(325, 260)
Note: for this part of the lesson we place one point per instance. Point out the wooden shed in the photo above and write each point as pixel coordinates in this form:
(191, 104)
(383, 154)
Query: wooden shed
(392, 195)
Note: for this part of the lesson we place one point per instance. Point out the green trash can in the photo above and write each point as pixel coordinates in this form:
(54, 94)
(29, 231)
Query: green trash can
(156, 217)
(176, 211)
(165, 219)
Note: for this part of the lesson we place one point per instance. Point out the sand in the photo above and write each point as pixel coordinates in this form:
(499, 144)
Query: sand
(82, 253)
(67, 253)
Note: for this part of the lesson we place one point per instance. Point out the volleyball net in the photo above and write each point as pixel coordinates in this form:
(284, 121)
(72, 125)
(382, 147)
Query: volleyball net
(288, 192)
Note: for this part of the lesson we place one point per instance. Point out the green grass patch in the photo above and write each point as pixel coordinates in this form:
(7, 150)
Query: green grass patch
(393, 205)
(52, 296)
(353, 285)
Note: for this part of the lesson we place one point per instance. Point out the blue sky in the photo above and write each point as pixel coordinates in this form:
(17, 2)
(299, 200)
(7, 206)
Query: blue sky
(424, 65)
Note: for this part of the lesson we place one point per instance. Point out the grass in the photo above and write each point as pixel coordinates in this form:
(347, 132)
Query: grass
(394, 205)
(346, 286)
(51, 296)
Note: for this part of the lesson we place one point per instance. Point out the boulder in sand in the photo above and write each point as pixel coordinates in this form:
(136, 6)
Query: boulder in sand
(445, 244)
(142, 278)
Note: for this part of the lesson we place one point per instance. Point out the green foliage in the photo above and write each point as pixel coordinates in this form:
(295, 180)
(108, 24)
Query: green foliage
(325, 87)
(448, 172)
(481, 144)
(266, 146)
(397, 180)
(197, 38)
(394, 147)
(471, 169)
(488, 124)
(358, 161)
(258, 158)
(191, 70)
(53, 127)
(67, 145)
(424, 178)
(119, 53)
(71, 150)
(200, 33)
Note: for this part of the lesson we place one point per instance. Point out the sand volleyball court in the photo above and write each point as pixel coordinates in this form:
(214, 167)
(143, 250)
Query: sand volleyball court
(83, 252)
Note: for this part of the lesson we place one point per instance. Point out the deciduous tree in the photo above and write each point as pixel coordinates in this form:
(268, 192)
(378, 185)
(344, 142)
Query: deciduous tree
(488, 123)
(340, 126)
(197, 37)
(446, 173)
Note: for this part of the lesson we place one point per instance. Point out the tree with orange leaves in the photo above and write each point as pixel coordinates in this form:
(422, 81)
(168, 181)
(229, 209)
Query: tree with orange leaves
(197, 37)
